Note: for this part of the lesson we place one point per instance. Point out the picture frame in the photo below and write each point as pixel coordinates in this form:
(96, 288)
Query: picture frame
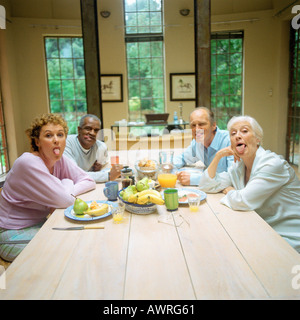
(182, 86)
(112, 87)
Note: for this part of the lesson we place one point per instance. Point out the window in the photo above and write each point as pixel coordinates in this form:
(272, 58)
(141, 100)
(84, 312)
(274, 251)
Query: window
(66, 78)
(226, 75)
(145, 58)
(4, 163)
(293, 130)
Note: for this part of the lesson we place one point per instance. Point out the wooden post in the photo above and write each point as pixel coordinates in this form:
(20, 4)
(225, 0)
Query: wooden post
(89, 20)
(202, 12)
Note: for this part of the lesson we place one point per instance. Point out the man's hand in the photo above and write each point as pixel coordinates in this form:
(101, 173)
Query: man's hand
(97, 166)
(184, 178)
(115, 172)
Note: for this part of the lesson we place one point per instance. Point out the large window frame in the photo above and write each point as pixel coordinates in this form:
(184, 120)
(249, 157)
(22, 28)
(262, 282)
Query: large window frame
(66, 78)
(145, 57)
(226, 75)
(293, 126)
(4, 160)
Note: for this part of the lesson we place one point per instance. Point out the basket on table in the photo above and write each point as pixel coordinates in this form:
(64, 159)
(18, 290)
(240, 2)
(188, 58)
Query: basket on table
(146, 168)
(138, 208)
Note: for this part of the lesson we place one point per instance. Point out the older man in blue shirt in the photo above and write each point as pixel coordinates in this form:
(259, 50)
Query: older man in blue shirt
(207, 140)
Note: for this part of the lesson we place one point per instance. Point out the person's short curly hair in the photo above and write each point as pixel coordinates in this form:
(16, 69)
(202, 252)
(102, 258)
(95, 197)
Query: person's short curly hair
(34, 130)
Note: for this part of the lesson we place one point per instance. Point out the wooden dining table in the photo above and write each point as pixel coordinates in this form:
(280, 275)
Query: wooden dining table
(215, 253)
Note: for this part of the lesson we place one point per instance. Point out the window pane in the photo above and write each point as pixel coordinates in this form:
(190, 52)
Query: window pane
(67, 68)
(131, 19)
(158, 88)
(155, 5)
(68, 90)
(130, 5)
(223, 46)
(69, 106)
(144, 49)
(235, 45)
(54, 89)
(222, 85)
(52, 48)
(80, 90)
(236, 61)
(77, 48)
(142, 5)
(222, 64)
(156, 49)
(145, 68)
(53, 69)
(79, 72)
(134, 88)
(146, 86)
(157, 68)
(56, 106)
(65, 48)
(133, 68)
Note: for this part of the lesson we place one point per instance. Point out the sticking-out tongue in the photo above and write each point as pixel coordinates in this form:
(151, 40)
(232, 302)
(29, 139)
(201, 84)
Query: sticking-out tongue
(56, 151)
(240, 148)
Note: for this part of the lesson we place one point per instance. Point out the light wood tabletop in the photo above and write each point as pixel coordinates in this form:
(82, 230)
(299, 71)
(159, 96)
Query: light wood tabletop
(215, 253)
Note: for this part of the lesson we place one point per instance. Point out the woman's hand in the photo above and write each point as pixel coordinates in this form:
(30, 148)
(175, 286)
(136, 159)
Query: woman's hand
(226, 190)
(225, 152)
(228, 151)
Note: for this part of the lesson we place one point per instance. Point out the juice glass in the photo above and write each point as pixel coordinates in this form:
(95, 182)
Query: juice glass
(167, 180)
(194, 202)
(118, 212)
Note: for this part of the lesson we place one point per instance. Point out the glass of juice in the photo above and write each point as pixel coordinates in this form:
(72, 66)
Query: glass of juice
(118, 213)
(194, 202)
(167, 180)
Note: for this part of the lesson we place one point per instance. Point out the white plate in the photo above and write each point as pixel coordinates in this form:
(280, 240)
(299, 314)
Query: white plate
(69, 212)
(185, 191)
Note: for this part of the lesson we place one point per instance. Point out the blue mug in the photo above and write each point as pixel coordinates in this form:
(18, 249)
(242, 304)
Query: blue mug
(111, 190)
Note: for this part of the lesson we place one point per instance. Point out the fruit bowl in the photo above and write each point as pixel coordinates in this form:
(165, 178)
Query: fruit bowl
(138, 208)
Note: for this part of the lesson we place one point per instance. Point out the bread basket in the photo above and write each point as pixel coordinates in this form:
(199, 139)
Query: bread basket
(144, 171)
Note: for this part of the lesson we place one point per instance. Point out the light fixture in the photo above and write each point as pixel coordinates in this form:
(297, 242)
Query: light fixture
(105, 13)
(184, 12)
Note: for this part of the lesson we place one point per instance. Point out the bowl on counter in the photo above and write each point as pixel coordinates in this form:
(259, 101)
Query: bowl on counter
(150, 172)
(138, 208)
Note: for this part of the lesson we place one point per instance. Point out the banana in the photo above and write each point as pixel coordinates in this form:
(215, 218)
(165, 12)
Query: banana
(150, 198)
(149, 191)
(155, 199)
(99, 211)
(133, 197)
(143, 199)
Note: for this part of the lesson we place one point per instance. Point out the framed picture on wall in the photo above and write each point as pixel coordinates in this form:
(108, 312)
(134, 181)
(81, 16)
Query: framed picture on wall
(112, 87)
(182, 86)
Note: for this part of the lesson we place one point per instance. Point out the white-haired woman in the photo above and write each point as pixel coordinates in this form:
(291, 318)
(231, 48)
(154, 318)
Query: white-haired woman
(259, 180)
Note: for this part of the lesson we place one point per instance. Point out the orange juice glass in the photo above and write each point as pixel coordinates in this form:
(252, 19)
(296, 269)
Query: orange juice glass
(167, 180)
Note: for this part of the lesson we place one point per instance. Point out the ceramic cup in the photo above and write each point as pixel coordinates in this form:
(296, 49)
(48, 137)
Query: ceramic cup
(111, 190)
(171, 199)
